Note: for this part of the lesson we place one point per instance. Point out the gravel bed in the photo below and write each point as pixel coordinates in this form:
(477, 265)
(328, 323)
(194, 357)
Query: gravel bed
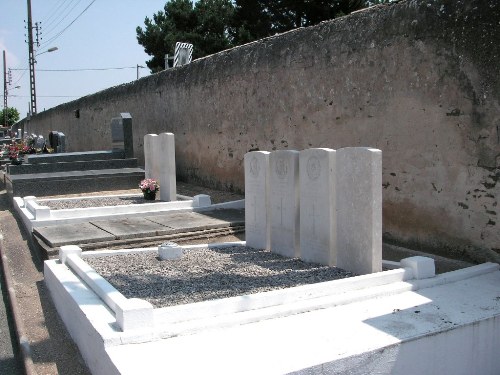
(206, 274)
(95, 202)
(107, 199)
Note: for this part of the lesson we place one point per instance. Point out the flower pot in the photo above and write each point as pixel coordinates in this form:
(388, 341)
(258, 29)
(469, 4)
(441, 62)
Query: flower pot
(149, 195)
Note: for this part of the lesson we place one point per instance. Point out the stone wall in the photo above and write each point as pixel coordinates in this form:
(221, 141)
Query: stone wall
(419, 80)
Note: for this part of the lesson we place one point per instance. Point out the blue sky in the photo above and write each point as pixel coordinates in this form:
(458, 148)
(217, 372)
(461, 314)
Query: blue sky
(103, 36)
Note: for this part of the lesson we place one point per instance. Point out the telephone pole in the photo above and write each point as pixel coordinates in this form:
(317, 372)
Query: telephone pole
(5, 92)
(31, 57)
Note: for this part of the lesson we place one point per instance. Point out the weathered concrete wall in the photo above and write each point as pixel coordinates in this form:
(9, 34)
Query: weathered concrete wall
(419, 80)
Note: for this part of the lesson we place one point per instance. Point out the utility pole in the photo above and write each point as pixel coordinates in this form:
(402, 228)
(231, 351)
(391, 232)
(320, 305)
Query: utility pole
(31, 57)
(5, 92)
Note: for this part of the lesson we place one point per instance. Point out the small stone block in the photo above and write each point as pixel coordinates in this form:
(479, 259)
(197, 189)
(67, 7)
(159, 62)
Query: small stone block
(135, 314)
(42, 213)
(29, 198)
(201, 200)
(67, 250)
(422, 267)
(169, 251)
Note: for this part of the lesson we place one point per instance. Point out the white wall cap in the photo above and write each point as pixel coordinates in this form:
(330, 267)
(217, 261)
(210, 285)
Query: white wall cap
(67, 250)
(422, 267)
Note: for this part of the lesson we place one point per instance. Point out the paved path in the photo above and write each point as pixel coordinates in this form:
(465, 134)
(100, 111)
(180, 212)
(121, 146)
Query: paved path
(10, 361)
(52, 350)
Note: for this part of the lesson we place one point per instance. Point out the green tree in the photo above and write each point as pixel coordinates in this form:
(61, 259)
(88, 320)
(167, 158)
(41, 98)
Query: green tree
(12, 116)
(256, 19)
(214, 25)
(205, 25)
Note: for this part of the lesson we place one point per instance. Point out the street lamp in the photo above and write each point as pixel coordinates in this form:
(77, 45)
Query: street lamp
(51, 49)
(32, 62)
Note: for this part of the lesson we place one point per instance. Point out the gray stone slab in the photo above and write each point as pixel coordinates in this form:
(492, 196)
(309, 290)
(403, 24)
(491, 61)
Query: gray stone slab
(72, 234)
(187, 221)
(230, 216)
(132, 228)
(84, 165)
(73, 156)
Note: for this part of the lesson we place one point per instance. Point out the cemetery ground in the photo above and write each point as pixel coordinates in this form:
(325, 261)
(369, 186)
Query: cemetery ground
(50, 349)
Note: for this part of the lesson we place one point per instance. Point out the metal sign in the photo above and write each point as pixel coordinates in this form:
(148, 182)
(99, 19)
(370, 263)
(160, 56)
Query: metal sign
(183, 54)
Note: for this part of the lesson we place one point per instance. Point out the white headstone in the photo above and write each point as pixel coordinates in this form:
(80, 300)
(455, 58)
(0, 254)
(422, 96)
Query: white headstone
(317, 206)
(284, 202)
(159, 163)
(359, 209)
(166, 158)
(256, 199)
(149, 159)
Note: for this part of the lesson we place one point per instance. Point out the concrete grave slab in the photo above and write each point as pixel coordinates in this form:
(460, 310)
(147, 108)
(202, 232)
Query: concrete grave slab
(72, 234)
(132, 228)
(230, 216)
(185, 221)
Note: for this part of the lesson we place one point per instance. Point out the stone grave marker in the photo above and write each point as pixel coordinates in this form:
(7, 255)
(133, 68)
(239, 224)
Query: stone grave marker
(61, 142)
(121, 134)
(167, 178)
(359, 209)
(317, 206)
(256, 199)
(284, 202)
(150, 164)
(52, 140)
(39, 142)
(159, 159)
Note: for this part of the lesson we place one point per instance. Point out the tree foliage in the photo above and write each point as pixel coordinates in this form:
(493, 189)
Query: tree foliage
(205, 25)
(12, 116)
(214, 25)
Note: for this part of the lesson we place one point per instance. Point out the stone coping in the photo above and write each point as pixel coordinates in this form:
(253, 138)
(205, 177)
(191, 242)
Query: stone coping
(34, 214)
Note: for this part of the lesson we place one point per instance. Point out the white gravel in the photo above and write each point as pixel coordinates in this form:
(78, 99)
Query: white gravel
(206, 274)
(95, 202)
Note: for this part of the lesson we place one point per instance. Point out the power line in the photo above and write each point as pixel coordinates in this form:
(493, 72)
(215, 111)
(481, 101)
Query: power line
(51, 13)
(81, 69)
(46, 96)
(63, 17)
(71, 23)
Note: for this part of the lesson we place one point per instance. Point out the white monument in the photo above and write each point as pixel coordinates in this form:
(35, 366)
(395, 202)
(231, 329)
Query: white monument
(284, 202)
(359, 209)
(159, 160)
(317, 206)
(256, 199)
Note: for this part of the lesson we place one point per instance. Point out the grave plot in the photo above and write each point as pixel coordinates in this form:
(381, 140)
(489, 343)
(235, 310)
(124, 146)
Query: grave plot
(204, 274)
(153, 226)
(78, 172)
(363, 322)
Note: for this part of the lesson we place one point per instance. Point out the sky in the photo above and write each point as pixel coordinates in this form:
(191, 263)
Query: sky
(89, 34)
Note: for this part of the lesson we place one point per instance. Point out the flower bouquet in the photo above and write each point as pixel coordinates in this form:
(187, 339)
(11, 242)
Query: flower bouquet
(149, 188)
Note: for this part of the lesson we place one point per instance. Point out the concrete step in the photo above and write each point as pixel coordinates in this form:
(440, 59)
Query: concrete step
(68, 166)
(44, 184)
(73, 156)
